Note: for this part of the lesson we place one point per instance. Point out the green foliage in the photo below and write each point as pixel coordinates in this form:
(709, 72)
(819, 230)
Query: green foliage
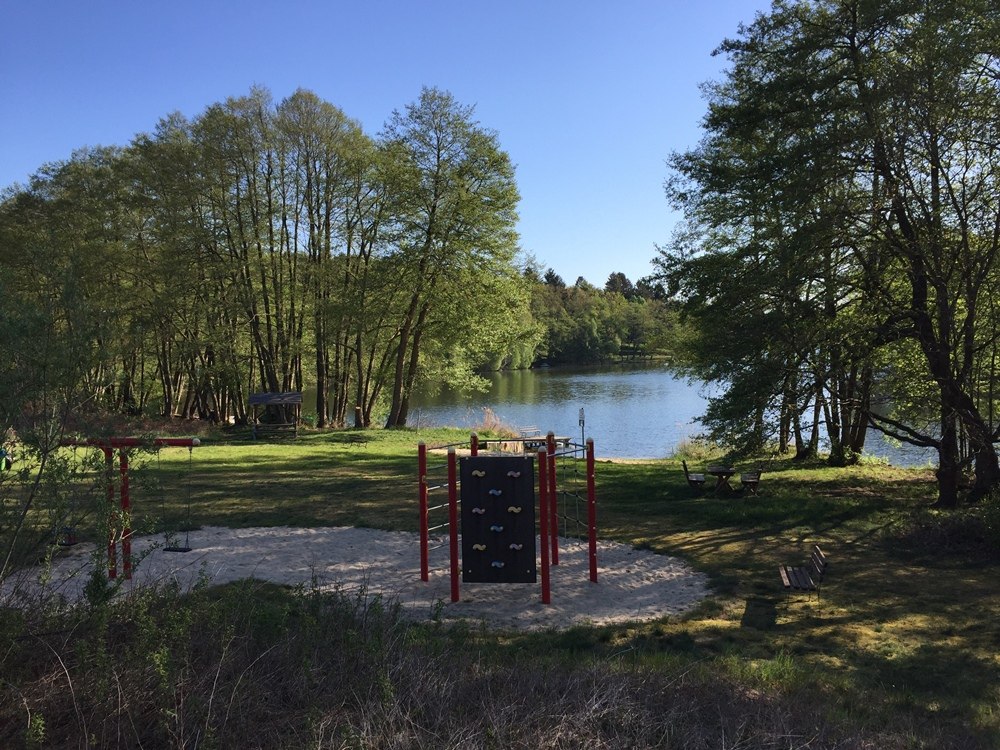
(840, 241)
(584, 325)
(259, 246)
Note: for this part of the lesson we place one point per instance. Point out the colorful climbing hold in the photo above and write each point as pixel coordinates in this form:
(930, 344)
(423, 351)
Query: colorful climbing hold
(496, 493)
(479, 511)
(514, 509)
(478, 473)
(515, 546)
(514, 474)
(497, 563)
(479, 547)
(496, 527)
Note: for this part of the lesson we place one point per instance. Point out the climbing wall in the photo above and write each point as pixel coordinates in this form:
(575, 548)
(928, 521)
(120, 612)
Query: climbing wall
(498, 519)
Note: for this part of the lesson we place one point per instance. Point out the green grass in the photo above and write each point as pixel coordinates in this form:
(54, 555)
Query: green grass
(900, 649)
(919, 631)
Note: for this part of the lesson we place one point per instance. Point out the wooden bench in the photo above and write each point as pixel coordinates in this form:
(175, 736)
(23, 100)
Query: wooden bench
(749, 482)
(808, 577)
(694, 480)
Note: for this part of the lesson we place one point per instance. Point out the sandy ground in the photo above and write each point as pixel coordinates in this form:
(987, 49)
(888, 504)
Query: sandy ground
(632, 584)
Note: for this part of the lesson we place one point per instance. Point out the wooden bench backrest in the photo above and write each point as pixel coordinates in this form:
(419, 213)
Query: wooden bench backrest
(818, 561)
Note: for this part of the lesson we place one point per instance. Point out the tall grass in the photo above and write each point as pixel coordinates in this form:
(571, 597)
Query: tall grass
(251, 665)
(490, 423)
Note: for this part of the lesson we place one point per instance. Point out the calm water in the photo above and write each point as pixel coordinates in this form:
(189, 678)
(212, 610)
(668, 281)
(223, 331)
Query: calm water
(631, 411)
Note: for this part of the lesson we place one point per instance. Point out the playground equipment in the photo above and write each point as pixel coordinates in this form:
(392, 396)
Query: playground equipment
(497, 499)
(169, 545)
(122, 444)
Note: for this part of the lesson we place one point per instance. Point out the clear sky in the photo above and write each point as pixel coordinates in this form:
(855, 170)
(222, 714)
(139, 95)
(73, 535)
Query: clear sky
(589, 97)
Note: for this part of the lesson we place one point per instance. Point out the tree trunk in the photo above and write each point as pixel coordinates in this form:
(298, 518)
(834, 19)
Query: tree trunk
(397, 409)
(987, 473)
(412, 367)
(949, 471)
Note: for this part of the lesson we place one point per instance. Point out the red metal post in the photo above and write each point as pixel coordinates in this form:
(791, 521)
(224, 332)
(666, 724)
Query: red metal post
(474, 444)
(126, 514)
(550, 440)
(591, 510)
(543, 520)
(107, 446)
(453, 521)
(109, 472)
(422, 501)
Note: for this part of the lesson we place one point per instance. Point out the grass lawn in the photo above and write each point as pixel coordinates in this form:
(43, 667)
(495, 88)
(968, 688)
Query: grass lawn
(900, 649)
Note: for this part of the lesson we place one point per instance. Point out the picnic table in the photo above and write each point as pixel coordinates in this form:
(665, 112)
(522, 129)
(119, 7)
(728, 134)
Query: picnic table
(722, 475)
(541, 441)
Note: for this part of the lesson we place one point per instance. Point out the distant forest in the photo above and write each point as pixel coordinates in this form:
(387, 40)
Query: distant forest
(581, 324)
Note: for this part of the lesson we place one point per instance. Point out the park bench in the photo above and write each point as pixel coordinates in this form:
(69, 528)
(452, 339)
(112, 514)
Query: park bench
(749, 481)
(694, 480)
(356, 439)
(808, 577)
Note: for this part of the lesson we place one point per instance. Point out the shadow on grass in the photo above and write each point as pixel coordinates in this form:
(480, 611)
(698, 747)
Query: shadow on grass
(887, 631)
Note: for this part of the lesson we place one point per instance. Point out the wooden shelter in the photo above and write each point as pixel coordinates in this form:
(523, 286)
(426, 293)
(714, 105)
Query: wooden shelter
(276, 414)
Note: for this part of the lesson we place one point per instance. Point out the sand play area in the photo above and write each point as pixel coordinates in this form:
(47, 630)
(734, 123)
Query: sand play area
(632, 584)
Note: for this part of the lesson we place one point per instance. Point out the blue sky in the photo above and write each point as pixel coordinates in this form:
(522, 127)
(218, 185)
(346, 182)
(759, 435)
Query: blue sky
(588, 97)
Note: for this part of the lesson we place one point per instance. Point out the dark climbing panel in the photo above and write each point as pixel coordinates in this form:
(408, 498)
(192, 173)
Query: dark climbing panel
(498, 519)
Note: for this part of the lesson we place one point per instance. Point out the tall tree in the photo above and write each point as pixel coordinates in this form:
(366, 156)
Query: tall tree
(457, 214)
(620, 283)
(253, 195)
(876, 128)
(320, 143)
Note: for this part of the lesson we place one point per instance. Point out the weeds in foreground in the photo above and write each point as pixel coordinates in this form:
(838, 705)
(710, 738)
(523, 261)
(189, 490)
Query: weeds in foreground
(256, 665)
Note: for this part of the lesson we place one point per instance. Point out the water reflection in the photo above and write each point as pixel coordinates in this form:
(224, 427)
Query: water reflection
(638, 410)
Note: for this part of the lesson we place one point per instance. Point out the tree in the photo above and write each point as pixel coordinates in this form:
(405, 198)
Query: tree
(619, 283)
(554, 280)
(55, 312)
(456, 218)
(865, 136)
(322, 146)
(186, 313)
(251, 200)
(259, 245)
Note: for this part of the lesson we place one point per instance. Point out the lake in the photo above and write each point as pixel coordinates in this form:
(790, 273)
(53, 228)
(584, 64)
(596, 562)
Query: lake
(634, 410)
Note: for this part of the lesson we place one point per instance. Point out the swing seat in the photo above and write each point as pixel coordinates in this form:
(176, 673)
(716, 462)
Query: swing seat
(171, 540)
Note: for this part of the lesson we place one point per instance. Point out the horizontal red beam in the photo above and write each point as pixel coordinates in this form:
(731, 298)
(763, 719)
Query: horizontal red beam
(133, 442)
